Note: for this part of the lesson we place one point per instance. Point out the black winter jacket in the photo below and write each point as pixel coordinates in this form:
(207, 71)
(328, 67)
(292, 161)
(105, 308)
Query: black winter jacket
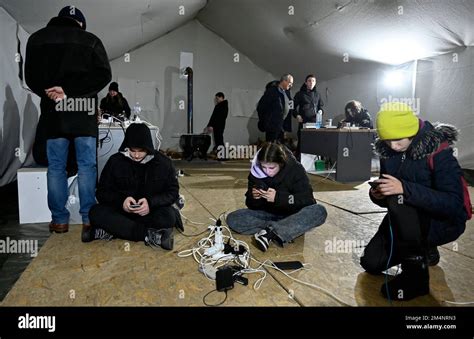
(272, 105)
(113, 107)
(219, 115)
(362, 119)
(122, 177)
(307, 104)
(63, 54)
(291, 180)
(437, 194)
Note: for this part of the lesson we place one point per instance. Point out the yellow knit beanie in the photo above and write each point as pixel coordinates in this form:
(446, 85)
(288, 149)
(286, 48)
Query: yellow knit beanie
(396, 120)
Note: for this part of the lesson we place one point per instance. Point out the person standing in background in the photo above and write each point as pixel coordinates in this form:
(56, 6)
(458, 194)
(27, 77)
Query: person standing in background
(216, 124)
(273, 109)
(306, 104)
(66, 67)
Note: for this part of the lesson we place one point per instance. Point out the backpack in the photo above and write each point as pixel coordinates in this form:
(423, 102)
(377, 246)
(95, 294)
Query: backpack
(467, 198)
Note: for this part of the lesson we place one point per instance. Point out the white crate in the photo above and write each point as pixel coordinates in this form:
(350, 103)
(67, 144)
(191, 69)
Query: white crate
(33, 195)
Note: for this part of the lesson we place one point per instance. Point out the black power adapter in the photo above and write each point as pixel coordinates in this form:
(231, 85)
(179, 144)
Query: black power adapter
(224, 279)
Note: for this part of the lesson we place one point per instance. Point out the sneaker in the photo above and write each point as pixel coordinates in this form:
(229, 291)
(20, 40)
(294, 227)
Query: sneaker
(160, 238)
(91, 233)
(433, 256)
(262, 240)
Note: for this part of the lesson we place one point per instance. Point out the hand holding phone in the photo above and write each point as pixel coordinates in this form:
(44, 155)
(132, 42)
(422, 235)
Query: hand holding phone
(374, 184)
(133, 206)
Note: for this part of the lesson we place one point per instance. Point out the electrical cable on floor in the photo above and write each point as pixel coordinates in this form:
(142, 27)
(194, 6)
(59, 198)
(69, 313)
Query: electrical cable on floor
(322, 289)
(211, 305)
(389, 258)
(243, 261)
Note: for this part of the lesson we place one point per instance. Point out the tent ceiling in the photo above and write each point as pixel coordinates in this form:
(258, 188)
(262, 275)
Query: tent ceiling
(121, 24)
(315, 39)
(317, 36)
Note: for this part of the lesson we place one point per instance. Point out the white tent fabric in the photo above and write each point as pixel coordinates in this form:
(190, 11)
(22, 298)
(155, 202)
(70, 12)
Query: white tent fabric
(334, 38)
(349, 45)
(19, 114)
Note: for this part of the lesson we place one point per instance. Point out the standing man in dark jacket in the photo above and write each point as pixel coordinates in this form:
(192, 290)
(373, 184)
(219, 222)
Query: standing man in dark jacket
(307, 103)
(67, 66)
(274, 107)
(136, 191)
(216, 124)
(425, 205)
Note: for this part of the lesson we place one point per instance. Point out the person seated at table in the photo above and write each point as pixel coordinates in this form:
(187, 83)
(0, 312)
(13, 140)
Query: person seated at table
(115, 103)
(356, 115)
(136, 191)
(280, 201)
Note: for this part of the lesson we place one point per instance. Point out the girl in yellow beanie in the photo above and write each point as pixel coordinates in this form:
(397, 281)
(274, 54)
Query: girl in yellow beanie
(425, 203)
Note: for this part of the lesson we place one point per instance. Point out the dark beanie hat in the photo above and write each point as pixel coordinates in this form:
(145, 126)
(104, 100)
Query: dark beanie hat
(113, 87)
(139, 136)
(73, 13)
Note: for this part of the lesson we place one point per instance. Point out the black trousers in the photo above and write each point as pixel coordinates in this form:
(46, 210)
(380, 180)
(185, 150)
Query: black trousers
(218, 138)
(130, 226)
(409, 230)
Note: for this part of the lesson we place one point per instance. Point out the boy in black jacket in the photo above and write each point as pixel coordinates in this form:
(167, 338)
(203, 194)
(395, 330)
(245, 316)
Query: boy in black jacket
(425, 205)
(136, 191)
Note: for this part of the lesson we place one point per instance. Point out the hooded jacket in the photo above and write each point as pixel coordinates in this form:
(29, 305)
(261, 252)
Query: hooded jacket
(307, 103)
(437, 193)
(63, 54)
(219, 115)
(293, 190)
(154, 178)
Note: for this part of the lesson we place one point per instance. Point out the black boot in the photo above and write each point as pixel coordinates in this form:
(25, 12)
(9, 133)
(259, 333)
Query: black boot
(414, 281)
(433, 256)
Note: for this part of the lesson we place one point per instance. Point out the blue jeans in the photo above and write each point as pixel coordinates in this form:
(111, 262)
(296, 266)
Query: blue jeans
(247, 221)
(57, 151)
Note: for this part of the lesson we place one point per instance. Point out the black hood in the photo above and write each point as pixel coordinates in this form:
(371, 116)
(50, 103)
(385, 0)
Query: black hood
(139, 136)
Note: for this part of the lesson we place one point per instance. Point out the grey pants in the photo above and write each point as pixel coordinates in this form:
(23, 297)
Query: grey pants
(247, 221)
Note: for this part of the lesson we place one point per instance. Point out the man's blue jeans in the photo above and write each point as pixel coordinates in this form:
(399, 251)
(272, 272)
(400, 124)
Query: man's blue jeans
(247, 221)
(57, 151)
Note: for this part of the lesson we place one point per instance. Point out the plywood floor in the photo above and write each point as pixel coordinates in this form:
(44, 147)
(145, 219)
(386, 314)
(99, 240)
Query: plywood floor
(120, 273)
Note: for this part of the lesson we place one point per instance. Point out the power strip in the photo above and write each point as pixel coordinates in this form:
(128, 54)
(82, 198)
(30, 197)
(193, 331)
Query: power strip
(208, 270)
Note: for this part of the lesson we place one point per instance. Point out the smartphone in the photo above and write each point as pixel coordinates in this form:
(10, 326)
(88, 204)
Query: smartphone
(374, 184)
(288, 265)
(261, 186)
(135, 206)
